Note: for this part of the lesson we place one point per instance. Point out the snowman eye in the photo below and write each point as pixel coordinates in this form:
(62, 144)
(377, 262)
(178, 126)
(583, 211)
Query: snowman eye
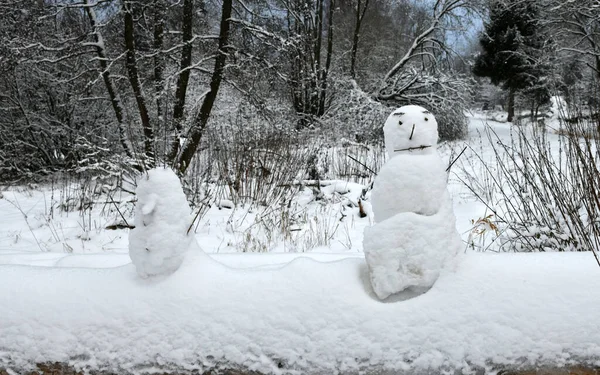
(400, 123)
(426, 118)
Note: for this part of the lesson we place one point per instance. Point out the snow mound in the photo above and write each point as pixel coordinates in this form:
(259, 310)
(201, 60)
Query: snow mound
(307, 317)
(160, 239)
(558, 106)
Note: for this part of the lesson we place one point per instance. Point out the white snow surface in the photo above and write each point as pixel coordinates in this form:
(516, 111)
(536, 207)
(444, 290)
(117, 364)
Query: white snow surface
(158, 243)
(306, 317)
(409, 250)
(409, 183)
(410, 126)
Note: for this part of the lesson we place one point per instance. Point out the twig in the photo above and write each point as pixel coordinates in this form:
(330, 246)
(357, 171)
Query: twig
(119, 211)
(456, 159)
(413, 148)
(18, 207)
(361, 163)
(198, 214)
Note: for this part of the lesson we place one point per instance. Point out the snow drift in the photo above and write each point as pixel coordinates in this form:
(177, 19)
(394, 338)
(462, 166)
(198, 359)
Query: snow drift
(306, 317)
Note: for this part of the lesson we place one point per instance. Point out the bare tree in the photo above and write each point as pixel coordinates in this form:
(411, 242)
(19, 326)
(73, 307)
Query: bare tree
(306, 20)
(134, 80)
(427, 45)
(576, 26)
(159, 60)
(183, 77)
(418, 78)
(200, 120)
(113, 94)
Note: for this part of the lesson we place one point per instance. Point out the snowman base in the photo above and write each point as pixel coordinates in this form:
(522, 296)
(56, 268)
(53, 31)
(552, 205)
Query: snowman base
(408, 250)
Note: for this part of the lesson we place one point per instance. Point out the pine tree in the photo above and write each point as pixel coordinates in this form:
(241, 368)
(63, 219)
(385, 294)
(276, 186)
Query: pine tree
(512, 49)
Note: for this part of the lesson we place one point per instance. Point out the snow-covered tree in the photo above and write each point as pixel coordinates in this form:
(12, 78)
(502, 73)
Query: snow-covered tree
(575, 26)
(513, 46)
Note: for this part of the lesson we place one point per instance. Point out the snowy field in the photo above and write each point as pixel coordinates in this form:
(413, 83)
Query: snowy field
(304, 307)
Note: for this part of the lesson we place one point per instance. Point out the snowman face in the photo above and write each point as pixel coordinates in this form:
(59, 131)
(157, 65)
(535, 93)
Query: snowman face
(410, 129)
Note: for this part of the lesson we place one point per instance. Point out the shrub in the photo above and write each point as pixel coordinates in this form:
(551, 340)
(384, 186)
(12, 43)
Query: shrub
(546, 197)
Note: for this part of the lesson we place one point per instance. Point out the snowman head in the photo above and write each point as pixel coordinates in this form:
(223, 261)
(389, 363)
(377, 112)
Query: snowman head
(410, 129)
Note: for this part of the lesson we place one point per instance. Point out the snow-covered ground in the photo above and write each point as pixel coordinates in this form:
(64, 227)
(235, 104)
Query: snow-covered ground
(493, 311)
(305, 307)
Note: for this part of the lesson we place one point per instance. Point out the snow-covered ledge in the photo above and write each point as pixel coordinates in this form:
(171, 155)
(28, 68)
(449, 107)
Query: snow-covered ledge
(306, 317)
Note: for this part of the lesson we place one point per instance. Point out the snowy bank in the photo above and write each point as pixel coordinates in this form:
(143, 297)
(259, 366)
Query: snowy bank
(304, 317)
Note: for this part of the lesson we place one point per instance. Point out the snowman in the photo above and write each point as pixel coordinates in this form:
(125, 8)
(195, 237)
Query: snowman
(160, 239)
(414, 232)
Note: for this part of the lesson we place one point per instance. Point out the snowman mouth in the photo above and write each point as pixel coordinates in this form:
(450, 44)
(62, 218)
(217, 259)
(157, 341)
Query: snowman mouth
(422, 147)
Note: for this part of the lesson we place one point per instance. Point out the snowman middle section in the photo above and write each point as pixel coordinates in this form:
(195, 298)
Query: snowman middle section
(409, 183)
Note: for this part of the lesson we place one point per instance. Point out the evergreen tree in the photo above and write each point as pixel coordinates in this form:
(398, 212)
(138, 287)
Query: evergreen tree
(512, 50)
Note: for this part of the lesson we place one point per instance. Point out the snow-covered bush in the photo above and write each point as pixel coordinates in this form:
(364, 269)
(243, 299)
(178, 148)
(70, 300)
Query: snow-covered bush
(161, 236)
(355, 115)
(545, 199)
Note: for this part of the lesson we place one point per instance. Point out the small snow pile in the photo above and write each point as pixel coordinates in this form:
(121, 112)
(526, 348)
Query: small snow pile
(158, 242)
(558, 106)
(415, 230)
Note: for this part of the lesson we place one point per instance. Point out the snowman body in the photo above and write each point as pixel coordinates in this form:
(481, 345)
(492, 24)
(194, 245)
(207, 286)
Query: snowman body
(161, 238)
(414, 178)
(414, 232)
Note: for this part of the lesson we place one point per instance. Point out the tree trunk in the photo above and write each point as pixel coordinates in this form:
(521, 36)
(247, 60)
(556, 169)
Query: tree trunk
(184, 77)
(511, 104)
(325, 73)
(159, 64)
(315, 86)
(356, 36)
(201, 120)
(115, 99)
(532, 114)
(134, 80)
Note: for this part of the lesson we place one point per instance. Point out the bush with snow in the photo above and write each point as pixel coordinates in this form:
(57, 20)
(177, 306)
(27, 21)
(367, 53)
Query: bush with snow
(160, 239)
